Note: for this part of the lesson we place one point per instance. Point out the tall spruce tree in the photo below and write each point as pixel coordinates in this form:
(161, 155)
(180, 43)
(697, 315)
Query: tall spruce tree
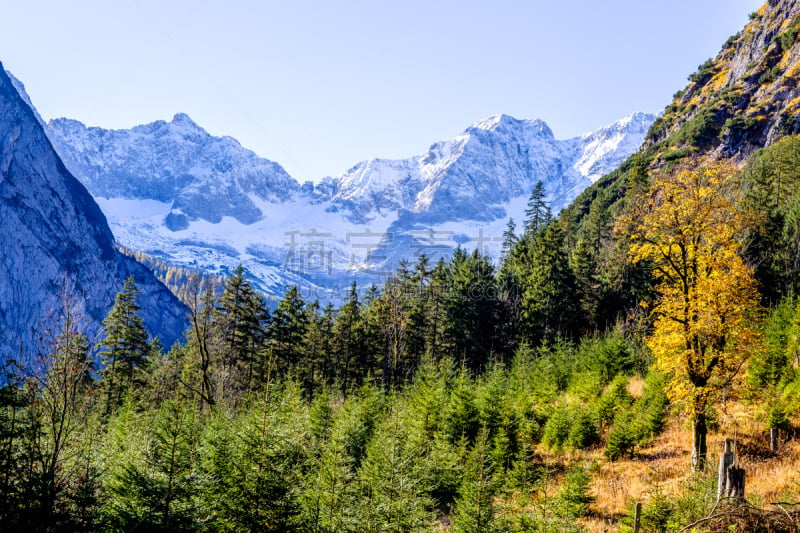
(537, 213)
(548, 286)
(348, 342)
(473, 310)
(509, 237)
(287, 330)
(125, 345)
(314, 369)
(240, 319)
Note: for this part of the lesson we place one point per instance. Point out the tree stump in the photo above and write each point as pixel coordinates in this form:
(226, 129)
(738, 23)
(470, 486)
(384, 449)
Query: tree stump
(734, 485)
(725, 462)
(730, 483)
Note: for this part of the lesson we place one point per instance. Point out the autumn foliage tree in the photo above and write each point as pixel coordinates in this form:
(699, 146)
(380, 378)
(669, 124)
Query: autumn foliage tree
(687, 228)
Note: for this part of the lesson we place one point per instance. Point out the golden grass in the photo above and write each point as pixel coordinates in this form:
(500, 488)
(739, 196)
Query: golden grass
(664, 464)
(636, 386)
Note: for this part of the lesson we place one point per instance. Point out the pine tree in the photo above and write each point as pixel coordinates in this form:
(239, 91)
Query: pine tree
(584, 268)
(13, 429)
(348, 342)
(314, 370)
(240, 319)
(286, 332)
(435, 320)
(474, 512)
(537, 214)
(509, 237)
(160, 491)
(548, 295)
(256, 462)
(473, 310)
(395, 496)
(125, 345)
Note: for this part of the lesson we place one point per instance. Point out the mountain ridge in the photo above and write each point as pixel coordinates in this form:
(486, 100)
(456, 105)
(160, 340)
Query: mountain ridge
(57, 238)
(174, 191)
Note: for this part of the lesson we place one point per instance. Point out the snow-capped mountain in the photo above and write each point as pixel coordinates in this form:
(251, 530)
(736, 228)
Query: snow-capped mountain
(203, 177)
(55, 236)
(172, 190)
(477, 174)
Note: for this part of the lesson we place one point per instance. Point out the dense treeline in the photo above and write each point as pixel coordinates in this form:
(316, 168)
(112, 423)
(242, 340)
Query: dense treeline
(409, 405)
(417, 405)
(441, 449)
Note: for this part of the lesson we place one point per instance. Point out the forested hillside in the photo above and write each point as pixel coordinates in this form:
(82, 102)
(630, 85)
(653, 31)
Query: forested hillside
(600, 365)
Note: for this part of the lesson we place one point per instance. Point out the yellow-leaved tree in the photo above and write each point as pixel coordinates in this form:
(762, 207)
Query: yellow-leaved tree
(687, 228)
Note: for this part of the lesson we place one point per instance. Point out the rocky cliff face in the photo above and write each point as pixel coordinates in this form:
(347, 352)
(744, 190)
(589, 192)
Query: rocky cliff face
(745, 98)
(55, 235)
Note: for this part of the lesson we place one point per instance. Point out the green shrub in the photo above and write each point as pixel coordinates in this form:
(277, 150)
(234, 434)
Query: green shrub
(656, 517)
(701, 130)
(557, 428)
(776, 418)
(583, 431)
(769, 75)
(703, 73)
(613, 400)
(574, 497)
(621, 439)
(650, 410)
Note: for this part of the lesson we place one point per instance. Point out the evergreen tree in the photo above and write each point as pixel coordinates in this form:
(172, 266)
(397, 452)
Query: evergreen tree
(395, 497)
(125, 345)
(255, 462)
(537, 213)
(435, 319)
(474, 512)
(584, 268)
(509, 237)
(159, 492)
(348, 343)
(13, 429)
(240, 318)
(286, 332)
(548, 305)
(315, 368)
(473, 310)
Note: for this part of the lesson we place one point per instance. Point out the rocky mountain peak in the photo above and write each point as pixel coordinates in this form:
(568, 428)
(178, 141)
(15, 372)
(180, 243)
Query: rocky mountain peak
(55, 235)
(175, 191)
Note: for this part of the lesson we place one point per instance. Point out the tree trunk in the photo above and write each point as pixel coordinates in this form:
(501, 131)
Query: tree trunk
(699, 448)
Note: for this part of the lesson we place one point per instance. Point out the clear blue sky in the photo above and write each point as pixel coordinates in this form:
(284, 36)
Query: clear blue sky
(319, 85)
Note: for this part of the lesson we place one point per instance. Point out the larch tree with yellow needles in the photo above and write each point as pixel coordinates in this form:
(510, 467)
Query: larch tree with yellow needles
(705, 316)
